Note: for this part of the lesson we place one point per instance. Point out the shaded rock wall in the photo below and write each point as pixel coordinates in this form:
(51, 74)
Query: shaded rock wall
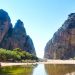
(62, 45)
(16, 37)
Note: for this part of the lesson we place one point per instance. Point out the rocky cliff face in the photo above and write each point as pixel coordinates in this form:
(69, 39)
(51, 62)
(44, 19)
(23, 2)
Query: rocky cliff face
(62, 45)
(16, 37)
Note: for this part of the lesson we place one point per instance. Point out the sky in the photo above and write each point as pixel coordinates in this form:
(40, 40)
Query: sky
(41, 18)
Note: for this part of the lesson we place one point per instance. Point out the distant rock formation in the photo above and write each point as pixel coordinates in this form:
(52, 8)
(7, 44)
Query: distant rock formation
(62, 45)
(16, 37)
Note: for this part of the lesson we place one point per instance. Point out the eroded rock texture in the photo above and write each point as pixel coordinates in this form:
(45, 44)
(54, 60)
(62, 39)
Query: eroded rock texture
(62, 45)
(16, 37)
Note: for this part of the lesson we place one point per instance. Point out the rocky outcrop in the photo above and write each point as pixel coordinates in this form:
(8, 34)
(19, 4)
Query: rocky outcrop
(62, 45)
(16, 37)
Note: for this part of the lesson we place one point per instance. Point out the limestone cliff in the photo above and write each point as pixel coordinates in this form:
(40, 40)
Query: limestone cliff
(16, 37)
(62, 45)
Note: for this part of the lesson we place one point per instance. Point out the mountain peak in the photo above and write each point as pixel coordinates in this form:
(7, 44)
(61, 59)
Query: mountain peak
(11, 38)
(4, 15)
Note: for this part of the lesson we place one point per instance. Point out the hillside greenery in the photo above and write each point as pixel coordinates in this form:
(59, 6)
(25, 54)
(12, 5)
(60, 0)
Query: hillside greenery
(16, 55)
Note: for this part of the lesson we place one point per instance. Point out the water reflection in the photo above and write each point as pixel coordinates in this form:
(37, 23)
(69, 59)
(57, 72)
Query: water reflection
(21, 70)
(65, 69)
(41, 69)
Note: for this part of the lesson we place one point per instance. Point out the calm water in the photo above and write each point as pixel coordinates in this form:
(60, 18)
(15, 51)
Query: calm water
(40, 69)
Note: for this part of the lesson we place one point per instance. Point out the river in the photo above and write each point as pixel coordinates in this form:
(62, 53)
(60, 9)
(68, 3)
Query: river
(40, 69)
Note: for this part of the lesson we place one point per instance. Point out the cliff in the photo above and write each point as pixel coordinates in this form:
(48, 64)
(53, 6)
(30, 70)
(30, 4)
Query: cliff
(16, 37)
(62, 45)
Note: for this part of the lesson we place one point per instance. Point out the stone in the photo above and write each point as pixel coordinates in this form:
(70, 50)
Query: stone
(62, 44)
(11, 38)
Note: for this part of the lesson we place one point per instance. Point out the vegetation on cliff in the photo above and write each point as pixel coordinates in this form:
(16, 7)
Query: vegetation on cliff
(16, 55)
(14, 37)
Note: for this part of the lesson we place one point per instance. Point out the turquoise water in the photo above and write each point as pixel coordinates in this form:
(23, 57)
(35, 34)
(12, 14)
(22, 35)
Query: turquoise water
(41, 69)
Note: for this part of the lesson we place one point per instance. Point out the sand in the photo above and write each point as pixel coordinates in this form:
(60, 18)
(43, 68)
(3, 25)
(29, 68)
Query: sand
(47, 62)
(59, 62)
(15, 64)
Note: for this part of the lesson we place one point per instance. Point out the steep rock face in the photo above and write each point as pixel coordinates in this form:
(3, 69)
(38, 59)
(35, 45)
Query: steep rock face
(16, 37)
(19, 35)
(5, 24)
(29, 45)
(62, 45)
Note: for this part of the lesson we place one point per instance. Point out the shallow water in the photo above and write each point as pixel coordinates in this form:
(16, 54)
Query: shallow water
(41, 69)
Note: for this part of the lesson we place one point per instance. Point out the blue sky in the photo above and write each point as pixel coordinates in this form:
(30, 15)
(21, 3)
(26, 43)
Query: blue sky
(41, 17)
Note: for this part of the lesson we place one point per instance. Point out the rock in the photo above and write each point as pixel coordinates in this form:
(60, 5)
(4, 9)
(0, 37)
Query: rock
(18, 35)
(62, 45)
(5, 24)
(11, 38)
(29, 45)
